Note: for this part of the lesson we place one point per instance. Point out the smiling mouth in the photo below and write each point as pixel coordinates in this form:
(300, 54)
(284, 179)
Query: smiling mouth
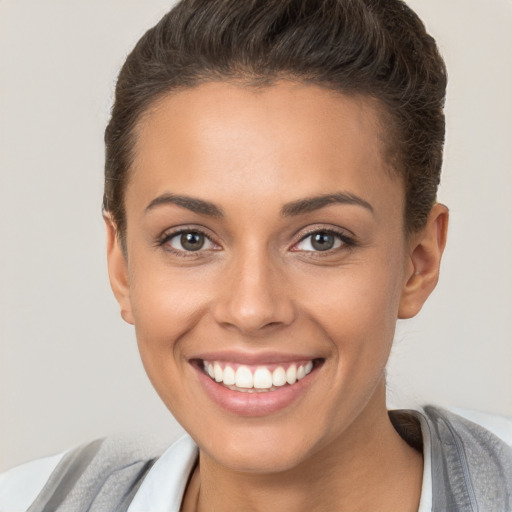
(258, 378)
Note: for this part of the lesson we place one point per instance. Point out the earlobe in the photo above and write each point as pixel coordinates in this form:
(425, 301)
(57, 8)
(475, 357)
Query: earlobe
(424, 260)
(118, 269)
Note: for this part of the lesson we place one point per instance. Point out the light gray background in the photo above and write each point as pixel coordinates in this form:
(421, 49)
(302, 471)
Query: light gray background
(69, 367)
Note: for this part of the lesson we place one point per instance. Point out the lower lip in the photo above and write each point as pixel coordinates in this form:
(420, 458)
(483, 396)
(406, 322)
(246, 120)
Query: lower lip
(257, 403)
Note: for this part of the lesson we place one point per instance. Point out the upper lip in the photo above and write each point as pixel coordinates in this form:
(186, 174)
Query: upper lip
(248, 358)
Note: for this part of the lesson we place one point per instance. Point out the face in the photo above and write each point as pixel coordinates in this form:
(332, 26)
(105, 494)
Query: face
(265, 267)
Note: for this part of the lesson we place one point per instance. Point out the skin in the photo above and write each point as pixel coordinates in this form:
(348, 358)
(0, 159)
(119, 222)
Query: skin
(259, 286)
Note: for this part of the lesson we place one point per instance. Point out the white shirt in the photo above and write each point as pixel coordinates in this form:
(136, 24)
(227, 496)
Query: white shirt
(163, 488)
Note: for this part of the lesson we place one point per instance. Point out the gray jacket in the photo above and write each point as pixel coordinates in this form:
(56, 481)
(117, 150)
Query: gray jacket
(471, 471)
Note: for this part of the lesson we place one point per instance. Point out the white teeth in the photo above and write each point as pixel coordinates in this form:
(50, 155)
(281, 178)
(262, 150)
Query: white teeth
(262, 379)
(279, 376)
(229, 376)
(291, 374)
(217, 372)
(243, 377)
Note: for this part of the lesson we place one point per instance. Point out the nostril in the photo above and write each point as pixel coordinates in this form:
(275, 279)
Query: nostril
(272, 324)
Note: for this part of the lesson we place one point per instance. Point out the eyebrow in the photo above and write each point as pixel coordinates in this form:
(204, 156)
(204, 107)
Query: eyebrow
(294, 208)
(195, 205)
(311, 204)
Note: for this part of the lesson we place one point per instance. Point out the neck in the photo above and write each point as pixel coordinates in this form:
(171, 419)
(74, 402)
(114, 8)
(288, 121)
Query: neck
(369, 467)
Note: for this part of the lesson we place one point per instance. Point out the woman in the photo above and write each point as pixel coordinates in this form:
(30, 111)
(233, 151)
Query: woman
(270, 184)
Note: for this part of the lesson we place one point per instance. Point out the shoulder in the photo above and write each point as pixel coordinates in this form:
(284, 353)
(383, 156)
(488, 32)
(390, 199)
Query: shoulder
(99, 471)
(471, 463)
(470, 427)
(500, 426)
(20, 485)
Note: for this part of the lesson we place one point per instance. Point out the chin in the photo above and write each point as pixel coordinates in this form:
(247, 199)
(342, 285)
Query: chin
(258, 449)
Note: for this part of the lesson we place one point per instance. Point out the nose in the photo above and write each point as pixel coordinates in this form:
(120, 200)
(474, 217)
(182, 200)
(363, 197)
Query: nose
(255, 295)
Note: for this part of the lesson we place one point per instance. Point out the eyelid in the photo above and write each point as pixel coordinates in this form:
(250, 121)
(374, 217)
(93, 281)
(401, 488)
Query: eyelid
(345, 236)
(171, 233)
(178, 236)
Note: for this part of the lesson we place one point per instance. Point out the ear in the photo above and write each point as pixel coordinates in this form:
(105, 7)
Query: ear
(425, 252)
(118, 269)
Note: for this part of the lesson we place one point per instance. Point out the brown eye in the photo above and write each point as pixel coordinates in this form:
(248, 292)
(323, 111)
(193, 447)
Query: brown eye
(190, 241)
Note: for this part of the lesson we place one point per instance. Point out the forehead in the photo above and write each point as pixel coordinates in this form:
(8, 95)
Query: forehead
(271, 143)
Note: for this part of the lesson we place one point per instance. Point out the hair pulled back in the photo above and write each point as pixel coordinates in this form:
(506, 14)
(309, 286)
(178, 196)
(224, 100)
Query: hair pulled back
(375, 48)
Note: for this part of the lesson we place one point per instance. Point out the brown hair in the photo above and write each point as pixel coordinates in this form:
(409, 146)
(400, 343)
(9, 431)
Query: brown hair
(376, 48)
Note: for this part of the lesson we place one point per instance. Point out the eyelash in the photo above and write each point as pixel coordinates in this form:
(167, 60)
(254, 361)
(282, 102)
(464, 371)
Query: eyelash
(347, 241)
(167, 237)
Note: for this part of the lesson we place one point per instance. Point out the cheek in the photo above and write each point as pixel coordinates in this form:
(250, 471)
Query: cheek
(166, 306)
(357, 312)
(357, 307)
(165, 311)
(360, 296)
